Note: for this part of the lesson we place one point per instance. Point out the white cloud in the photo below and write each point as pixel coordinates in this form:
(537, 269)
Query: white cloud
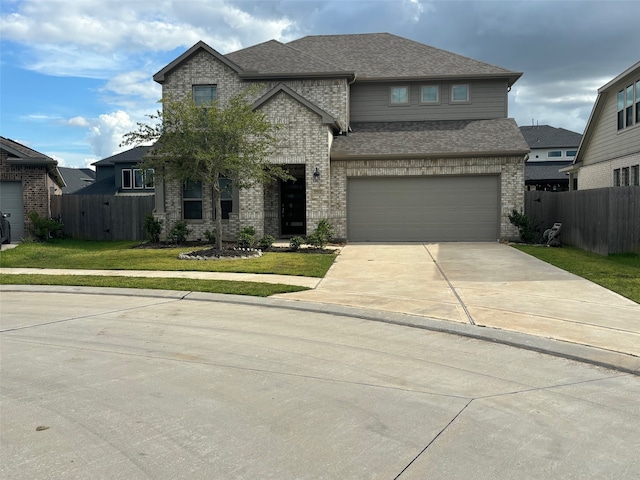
(78, 122)
(107, 132)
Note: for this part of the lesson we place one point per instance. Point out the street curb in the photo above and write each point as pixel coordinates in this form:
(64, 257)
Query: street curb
(571, 351)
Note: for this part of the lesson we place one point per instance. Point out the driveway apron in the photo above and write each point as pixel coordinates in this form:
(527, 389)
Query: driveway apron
(483, 284)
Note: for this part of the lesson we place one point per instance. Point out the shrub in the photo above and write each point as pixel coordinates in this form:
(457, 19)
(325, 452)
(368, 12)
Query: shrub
(210, 235)
(266, 242)
(296, 242)
(179, 232)
(43, 228)
(246, 237)
(321, 235)
(153, 228)
(527, 228)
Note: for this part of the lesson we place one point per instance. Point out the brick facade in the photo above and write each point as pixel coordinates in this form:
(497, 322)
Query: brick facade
(305, 145)
(35, 186)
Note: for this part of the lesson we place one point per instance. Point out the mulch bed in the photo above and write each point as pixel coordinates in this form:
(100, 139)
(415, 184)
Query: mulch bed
(229, 250)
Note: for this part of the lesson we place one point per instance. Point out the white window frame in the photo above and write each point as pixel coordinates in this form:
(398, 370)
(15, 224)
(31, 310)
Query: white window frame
(429, 102)
(456, 85)
(391, 96)
(129, 184)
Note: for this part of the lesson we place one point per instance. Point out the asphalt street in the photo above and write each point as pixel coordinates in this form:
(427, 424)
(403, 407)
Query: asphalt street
(134, 387)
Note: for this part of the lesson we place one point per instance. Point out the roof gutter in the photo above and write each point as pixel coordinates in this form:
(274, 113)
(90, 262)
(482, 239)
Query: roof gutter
(411, 156)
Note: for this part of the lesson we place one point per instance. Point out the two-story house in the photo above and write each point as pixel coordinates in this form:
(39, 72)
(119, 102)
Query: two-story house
(388, 139)
(551, 149)
(609, 154)
(120, 174)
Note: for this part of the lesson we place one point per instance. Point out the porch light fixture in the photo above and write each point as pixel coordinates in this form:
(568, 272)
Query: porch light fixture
(316, 174)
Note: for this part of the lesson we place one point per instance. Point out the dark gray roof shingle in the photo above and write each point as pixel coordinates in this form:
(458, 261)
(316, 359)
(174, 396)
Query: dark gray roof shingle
(432, 138)
(76, 178)
(537, 171)
(133, 155)
(545, 136)
(377, 56)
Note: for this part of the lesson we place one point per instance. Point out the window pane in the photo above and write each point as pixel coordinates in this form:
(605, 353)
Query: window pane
(148, 179)
(192, 189)
(571, 153)
(638, 91)
(192, 210)
(137, 178)
(616, 177)
(620, 119)
(629, 96)
(635, 175)
(126, 178)
(399, 95)
(204, 94)
(460, 93)
(226, 192)
(554, 154)
(621, 100)
(429, 93)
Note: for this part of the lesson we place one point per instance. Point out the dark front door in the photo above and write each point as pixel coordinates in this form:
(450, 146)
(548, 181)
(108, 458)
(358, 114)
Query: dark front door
(293, 207)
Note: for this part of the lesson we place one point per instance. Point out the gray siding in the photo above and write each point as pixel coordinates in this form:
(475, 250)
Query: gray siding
(370, 102)
(607, 142)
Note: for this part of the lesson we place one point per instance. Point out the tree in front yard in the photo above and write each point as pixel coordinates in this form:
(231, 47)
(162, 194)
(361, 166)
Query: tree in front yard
(207, 143)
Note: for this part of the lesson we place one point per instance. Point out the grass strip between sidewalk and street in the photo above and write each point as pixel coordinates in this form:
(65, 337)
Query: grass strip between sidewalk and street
(256, 289)
(619, 273)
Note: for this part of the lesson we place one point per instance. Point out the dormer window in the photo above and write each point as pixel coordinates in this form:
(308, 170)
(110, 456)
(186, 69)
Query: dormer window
(399, 95)
(460, 93)
(204, 94)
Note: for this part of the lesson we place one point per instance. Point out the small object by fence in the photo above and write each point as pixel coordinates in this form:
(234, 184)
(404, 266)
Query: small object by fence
(552, 235)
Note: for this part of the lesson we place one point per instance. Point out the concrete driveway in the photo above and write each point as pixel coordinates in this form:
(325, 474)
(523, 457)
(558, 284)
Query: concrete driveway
(100, 383)
(480, 284)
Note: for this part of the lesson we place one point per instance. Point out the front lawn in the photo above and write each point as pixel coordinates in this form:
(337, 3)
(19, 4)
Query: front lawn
(618, 273)
(77, 254)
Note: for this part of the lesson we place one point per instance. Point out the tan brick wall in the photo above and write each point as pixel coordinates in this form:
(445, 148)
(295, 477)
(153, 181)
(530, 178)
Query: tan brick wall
(35, 191)
(510, 169)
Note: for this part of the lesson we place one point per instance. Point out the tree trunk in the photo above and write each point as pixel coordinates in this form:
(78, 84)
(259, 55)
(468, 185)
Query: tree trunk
(217, 204)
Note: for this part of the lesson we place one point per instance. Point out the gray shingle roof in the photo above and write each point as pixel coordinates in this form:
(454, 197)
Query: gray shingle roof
(536, 171)
(133, 155)
(545, 136)
(378, 56)
(106, 186)
(18, 151)
(76, 178)
(273, 57)
(434, 138)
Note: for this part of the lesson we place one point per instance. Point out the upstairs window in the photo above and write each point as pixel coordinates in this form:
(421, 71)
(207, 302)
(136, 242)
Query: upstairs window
(620, 103)
(554, 154)
(638, 101)
(430, 94)
(629, 106)
(571, 153)
(192, 200)
(136, 178)
(460, 93)
(399, 95)
(204, 94)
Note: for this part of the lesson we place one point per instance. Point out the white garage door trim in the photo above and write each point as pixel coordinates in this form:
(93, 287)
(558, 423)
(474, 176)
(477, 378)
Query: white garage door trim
(11, 201)
(423, 209)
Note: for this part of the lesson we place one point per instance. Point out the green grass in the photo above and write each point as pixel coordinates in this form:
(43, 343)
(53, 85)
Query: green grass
(75, 254)
(212, 286)
(618, 273)
(122, 256)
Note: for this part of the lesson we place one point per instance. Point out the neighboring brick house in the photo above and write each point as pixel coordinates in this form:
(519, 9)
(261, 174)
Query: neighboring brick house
(389, 139)
(551, 149)
(27, 181)
(609, 154)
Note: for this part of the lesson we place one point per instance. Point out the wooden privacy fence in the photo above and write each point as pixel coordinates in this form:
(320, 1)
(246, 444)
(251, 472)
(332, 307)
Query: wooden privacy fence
(603, 220)
(103, 217)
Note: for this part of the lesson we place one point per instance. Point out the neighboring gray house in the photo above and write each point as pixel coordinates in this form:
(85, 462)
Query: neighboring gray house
(609, 154)
(120, 174)
(76, 178)
(551, 149)
(388, 139)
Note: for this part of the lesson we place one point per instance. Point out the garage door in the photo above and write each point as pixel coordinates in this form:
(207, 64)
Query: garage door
(429, 209)
(11, 202)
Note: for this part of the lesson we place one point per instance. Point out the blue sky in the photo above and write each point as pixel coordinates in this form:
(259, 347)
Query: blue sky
(75, 75)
